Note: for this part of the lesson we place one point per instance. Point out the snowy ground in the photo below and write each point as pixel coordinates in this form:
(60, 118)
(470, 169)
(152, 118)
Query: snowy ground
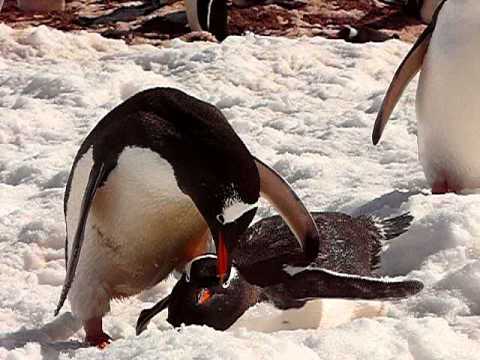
(305, 106)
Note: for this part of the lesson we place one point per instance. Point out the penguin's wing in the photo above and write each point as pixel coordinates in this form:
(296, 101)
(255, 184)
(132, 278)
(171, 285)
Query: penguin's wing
(277, 191)
(97, 173)
(310, 282)
(148, 314)
(404, 74)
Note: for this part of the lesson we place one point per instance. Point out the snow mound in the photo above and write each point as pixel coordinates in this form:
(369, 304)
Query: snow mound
(305, 106)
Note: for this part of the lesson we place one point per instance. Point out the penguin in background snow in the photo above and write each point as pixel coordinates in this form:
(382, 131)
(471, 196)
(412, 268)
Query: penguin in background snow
(266, 270)
(448, 100)
(153, 182)
(208, 15)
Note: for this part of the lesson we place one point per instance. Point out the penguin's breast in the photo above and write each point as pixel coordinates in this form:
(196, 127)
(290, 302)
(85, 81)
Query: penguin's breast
(448, 101)
(139, 218)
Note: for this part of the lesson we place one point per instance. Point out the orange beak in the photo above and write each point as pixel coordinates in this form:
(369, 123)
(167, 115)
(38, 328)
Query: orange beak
(204, 296)
(222, 258)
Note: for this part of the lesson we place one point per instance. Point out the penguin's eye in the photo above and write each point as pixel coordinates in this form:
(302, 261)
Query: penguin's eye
(221, 219)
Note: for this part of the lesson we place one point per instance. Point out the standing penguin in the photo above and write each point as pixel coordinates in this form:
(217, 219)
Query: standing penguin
(157, 177)
(344, 268)
(421, 9)
(208, 15)
(448, 100)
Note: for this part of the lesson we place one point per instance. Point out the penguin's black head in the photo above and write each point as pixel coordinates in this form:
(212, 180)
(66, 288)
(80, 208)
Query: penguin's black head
(198, 298)
(228, 202)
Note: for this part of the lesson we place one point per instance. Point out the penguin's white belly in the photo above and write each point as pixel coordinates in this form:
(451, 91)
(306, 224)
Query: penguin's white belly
(448, 98)
(320, 313)
(139, 228)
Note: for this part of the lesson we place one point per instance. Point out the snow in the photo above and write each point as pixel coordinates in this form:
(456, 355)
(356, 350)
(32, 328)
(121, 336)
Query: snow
(304, 106)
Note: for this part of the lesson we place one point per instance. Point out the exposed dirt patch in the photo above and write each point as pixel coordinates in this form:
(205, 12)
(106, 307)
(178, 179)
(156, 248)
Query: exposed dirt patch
(143, 21)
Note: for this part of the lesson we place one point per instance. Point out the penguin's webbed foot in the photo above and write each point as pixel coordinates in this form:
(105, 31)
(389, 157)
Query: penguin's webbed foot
(199, 36)
(439, 188)
(95, 335)
(100, 341)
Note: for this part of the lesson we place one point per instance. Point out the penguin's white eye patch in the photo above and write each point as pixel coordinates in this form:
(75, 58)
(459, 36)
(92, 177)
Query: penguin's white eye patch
(235, 210)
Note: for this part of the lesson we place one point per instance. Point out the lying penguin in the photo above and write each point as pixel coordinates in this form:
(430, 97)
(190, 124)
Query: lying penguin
(157, 177)
(421, 9)
(448, 101)
(364, 34)
(268, 267)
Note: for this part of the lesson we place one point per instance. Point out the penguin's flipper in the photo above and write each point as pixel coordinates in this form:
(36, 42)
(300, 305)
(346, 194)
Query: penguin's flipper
(404, 74)
(311, 282)
(148, 314)
(277, 191)
(96, 175)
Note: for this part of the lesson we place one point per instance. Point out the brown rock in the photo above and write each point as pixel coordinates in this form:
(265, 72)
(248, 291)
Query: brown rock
(41, 5)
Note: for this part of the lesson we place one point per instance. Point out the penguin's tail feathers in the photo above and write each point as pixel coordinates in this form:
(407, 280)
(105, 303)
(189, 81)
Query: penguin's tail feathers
(392, 228)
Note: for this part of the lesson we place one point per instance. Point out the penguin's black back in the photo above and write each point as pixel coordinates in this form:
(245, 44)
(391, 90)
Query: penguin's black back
(190, 134)
(349, 245)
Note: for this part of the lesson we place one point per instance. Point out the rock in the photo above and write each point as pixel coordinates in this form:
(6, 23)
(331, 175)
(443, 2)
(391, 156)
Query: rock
(41, 5)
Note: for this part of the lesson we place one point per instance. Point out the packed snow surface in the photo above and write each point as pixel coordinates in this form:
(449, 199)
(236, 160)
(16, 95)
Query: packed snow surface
(306, 107)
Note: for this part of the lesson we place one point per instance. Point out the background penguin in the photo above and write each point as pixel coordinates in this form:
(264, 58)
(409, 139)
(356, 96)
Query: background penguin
(448, 101)
(360, 35)
(344, 268)
(157, 177)
(421, 9)
(208, 15)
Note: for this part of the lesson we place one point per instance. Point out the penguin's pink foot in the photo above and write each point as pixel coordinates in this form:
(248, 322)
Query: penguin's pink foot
(95, 335)
(439, 187)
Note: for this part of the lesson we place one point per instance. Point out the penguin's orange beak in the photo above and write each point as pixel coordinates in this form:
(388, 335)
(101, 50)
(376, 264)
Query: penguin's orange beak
(222, 258)
(204, 296)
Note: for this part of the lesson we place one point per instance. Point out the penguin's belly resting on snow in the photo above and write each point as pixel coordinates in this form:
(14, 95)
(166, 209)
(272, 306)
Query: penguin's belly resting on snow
(448, 101)
(159, 177)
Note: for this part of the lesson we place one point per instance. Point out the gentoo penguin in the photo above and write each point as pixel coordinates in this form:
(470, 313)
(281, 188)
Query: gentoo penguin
(421, 9)
(360, 35)
(344, 268)
(208, 15)
(157, 177)
(448, 100)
